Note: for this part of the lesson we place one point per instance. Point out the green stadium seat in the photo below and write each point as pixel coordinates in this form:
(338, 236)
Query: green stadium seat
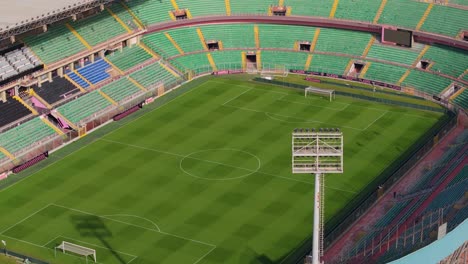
(292, 60)
(281, 36)
(54, 45)
(426, 82)
(447, 60)
(120, 89)
(124, 15)
(187, 39)
(402, 13)
(227, 60)
(198, 62)
(395, 54)
(462, 99)
(342, 41)
(362, 10)
(83, 107)
(153, 74)
(160, 44)
(129, 57)
(98, 28)
(229, 35)
(150, 12)
(319, 8)
(25, 135)
(384, 72)
(328, 63)
(251, 7)
(203, 7)
(446, 20)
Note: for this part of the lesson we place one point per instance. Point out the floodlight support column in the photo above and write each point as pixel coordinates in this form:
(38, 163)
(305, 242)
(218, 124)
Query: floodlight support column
(316, 232)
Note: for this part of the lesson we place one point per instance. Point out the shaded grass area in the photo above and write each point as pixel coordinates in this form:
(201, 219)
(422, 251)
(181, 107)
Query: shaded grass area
(205, 178)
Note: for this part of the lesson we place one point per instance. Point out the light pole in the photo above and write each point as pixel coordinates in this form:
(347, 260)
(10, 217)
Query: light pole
(317, 152)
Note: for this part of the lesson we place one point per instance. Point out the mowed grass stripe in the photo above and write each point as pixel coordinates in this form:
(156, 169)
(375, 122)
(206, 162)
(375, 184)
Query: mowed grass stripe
(256, 217)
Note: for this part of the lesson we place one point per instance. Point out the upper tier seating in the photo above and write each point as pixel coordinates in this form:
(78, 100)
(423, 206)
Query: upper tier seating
(150, 12)
(362, 10)
(153, 74)
(98, 28)
(198, 62)
(229, 35)
(293, 60)
(17, 61)
(450, 61)
(203, 7)
(395, 54)
(58, 89)
(95, 72)
(25, 135)
(402, 13)
(129, 57)
(251, 7)
(83, 107)
(462, 99)
(227, 60)
(56, 44)
(342, 41)
(446, 20)
(118, 9)
(160, 44)
(313, 8)
(384, 72)
(6, 70)
(120, 89)
(280, 36)
(11, 111)
(426, 82)
(459, 2)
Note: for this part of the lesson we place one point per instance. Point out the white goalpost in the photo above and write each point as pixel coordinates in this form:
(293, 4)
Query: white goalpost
(314, 90)
(77, 249)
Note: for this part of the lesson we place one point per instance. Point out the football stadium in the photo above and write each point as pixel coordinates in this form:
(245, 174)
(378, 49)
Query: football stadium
(235, 131)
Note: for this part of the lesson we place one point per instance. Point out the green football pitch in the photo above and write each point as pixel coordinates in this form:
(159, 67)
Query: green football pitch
(204, 178)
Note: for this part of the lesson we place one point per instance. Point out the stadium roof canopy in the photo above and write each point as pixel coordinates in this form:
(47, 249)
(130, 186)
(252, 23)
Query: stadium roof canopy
(19, 16)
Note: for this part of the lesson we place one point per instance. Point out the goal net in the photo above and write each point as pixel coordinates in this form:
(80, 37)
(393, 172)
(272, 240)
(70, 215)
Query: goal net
(321, 92)
(77, 249)
(274, 70)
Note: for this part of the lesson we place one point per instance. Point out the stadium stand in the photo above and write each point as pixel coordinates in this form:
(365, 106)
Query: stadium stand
(78, 80)
(462, 99)
(186, 38)
(12, 110)
(95, 72)
(402, 13)
(293, 60)
(229, 59)
(25, 135)
(17, 61)
(426, 82)
(447, 60)
(120, 89)
(203, 7)
(384, 72)
(83, 107)
(98, 28)
(129, 57)
(395, 54)
(150, 12)
(338, 40)
(320, 8)
(251, 7)
(279, 36)
(153, 74)
(194, 61)
(119, 10)
(58, 89)
(229, 35)
(56, 44)
(361, 10)
(446, 20)
(328, 63)
(160, 44)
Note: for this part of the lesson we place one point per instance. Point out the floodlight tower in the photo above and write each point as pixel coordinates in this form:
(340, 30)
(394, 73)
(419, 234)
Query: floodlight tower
(317, 152)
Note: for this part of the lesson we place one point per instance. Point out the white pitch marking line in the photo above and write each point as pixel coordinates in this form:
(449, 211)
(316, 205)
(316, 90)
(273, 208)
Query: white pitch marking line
(132, 260)
(48, 242)
(94, 245)
(214, 162)
(142, 227)
(202, 257)
(377, 119)
(234, 98)
(270, 115)
(24, 219)
(316, 106)
(136, 216)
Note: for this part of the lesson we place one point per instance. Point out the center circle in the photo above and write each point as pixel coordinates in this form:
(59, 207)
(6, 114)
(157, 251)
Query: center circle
(220, 164)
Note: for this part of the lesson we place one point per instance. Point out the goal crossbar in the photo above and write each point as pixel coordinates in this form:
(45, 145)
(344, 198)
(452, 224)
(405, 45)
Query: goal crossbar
(315, 90)
(77, 249)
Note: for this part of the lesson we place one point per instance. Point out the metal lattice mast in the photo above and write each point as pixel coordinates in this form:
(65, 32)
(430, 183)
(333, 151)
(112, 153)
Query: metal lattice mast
(317, 152)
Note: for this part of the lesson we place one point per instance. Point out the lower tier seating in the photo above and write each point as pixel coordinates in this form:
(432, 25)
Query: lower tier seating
(95, 72)
(293, 60)
(25, 135)
(159, 43)
(120, 89)
(426, 82)
(450, 61)
(198, 62)
(83, 107)
(462, 99)
(58, 89)
(11, 111)
(384, 72)
(153, 74)
(227, 60)
(129, 57)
